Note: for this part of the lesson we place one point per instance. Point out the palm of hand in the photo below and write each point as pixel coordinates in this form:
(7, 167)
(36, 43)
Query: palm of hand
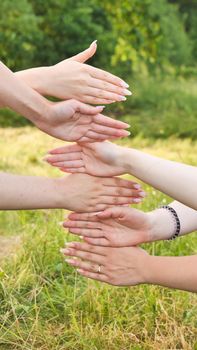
(68, 124)
(100, 159)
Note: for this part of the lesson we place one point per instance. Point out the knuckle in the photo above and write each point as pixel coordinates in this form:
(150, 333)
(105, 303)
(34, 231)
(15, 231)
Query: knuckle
(88, 256)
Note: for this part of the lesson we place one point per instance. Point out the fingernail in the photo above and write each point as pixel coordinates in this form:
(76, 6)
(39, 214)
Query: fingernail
(64, 251)
(70, 245)
(127, 92)
(142, 194)
(127, 133)
(70, 261)
(45, 159)
(137, 200)
(81, 237)
(99, 107)
(122, 98)
(124, 84)
(137, 186)
(60, 223)
(94, 42)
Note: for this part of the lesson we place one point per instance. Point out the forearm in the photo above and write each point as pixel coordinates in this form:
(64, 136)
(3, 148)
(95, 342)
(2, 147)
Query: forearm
(36, 78)
(177, 180)
(15, 94)
(28, 192)
(177, 272)
(162, 223)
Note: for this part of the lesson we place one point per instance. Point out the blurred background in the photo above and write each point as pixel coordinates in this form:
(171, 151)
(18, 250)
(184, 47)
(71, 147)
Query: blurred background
(150, 43)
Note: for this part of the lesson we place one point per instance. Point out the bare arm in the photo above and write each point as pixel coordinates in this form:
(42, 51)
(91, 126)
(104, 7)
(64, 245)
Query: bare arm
(177, 180)
(177, 272)
(29, 192)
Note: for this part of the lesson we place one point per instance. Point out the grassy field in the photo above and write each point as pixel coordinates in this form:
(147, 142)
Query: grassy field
(45, 305)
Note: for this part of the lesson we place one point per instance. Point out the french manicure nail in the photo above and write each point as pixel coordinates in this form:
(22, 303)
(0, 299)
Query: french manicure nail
(94, 42)
(123, 84)
(70, 261)
(121, 98)
(142, 194)
(127, 92)
(137, 200)
(137, 186)
(99, 107)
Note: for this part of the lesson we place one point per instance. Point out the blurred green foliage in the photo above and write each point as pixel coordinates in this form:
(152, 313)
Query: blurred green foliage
(152, 43)
(146, 34)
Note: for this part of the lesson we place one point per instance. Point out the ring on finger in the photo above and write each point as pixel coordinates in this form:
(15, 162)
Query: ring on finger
(99, 269)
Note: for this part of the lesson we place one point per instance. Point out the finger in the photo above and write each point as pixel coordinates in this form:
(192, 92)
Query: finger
(104, 136)
(83, 265)
(123, 192)
(86, 109)
(86, 54)
(84, 255)
(69, 164)
(107, 121)
(63, 157)
(96, 101)
(73, 170)
(86, 232)
(117, 181)
(118, 200)
(97, 241)
(105, 86)
(83, 224)
(86, 248)
(109, 131)
(95, 276)
(102, 75)
(66, 149)
(105, 94)
(114, 213)
(83, 216)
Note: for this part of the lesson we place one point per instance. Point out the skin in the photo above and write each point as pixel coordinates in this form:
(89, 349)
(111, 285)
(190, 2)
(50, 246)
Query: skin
(130, 266)
(108, 159)
(73, 79)
(68, 120)
(124, 226)
(28, 192)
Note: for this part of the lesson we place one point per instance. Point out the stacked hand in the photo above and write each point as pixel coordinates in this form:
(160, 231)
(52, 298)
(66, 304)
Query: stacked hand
(75, 121)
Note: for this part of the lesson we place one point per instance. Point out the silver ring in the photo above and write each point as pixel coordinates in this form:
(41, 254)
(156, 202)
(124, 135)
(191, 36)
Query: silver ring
(99, 269)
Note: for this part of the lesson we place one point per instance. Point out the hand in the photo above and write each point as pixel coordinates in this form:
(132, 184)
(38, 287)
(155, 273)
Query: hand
(74, 121)
(85, 193)
(114, 227)
(98, 159)
(72, 78)
(127, 266)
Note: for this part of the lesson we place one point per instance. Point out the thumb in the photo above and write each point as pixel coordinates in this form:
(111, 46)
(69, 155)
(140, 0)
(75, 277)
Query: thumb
(114, 213)
(86, 54)
(86, 109)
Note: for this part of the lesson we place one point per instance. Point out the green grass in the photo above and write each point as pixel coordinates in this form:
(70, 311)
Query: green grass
(45, 305)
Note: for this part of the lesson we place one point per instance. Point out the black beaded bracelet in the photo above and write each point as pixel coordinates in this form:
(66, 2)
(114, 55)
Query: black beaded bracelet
(177, 223)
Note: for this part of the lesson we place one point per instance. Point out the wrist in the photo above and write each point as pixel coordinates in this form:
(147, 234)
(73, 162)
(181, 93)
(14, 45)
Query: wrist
(58, 193)
(161, 225)
(36, 78)
(127, 159)
(145, 269)
(150, 273)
